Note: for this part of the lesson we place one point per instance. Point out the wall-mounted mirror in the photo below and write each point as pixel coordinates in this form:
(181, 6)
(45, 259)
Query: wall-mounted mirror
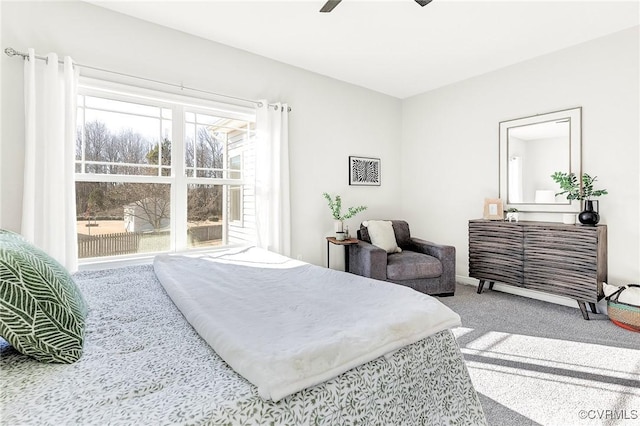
(531, 150)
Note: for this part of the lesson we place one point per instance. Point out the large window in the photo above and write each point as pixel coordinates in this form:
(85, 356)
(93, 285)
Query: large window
(157, 172)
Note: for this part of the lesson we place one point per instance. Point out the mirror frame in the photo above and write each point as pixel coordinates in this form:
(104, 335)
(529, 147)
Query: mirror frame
(575, 158)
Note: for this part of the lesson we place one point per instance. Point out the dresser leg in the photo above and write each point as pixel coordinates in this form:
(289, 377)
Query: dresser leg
(593, 307)
(491, 283)
(583, 309)
(480, 285)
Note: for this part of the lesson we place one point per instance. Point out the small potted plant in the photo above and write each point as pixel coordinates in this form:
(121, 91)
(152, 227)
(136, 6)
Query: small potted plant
(571, 186)
(335, 205)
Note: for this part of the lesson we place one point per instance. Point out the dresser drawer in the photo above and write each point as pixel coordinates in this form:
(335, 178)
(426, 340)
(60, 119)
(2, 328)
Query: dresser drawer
(562, 260)
(495, 252)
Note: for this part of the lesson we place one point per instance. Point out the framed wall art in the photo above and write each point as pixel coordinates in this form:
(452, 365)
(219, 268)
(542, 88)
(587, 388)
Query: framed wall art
(364, 171)
(493, 209)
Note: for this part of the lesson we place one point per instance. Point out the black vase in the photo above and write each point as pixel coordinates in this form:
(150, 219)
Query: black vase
(589, 216)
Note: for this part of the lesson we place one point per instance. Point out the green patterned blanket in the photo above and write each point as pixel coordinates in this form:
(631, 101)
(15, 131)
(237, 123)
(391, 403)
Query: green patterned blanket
(144, 364)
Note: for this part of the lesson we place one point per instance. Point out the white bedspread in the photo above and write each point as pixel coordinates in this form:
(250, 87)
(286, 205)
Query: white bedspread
(286, 325)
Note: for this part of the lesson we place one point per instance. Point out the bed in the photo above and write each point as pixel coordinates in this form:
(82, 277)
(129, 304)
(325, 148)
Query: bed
(144, 363)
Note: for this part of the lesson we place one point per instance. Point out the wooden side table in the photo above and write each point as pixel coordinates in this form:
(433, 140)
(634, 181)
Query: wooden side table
(346, 244)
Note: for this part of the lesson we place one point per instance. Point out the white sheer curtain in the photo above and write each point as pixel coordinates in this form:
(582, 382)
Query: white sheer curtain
(273, 210)
(48, 200)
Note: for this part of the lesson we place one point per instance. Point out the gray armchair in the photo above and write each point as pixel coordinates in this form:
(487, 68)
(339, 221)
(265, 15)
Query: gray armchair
(422, 265)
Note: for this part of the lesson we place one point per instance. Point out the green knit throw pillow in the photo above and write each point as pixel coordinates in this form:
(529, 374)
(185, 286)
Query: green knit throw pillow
(42, 312)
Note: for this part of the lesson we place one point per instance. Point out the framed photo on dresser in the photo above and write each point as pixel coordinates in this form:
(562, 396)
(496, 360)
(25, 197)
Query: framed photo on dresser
(493, 209)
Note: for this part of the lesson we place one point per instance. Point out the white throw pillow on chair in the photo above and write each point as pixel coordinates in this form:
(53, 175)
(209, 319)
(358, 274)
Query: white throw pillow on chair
(382, 235)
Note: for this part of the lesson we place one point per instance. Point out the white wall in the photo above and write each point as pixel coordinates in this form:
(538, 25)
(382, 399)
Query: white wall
(330, 120)
(439, 150)
(450, 142)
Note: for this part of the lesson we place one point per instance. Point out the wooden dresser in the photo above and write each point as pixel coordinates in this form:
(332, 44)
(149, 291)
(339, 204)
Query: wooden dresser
(566, 260)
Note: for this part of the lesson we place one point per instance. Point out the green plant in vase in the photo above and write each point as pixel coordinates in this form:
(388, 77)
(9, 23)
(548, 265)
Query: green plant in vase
(335, 205)
(582, 190)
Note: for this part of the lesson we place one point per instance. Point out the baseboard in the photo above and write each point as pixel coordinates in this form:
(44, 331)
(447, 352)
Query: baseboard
(533, 294)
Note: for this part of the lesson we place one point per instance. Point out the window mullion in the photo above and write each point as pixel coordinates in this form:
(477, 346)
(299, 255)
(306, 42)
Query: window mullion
(178, 171)
(225, 190)
(83, 137)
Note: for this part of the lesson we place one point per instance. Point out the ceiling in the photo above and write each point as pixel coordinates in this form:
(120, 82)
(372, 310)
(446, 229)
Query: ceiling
(395, 47)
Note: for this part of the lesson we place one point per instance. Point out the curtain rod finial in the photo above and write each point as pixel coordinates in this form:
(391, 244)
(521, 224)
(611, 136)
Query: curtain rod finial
(10, 51)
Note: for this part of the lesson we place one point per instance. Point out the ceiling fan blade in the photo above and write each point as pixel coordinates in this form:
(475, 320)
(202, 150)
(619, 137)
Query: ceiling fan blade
(423, 3)
(329, 5)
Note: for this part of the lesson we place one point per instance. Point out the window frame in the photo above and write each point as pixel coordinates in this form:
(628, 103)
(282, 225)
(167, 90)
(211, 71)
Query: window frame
(178, 180)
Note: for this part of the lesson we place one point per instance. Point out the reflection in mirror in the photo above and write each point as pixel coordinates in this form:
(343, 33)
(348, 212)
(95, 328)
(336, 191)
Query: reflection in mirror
(531, 150)
(535, 152)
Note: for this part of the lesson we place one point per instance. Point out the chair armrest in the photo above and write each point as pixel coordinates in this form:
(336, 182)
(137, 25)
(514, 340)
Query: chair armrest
(438, 251)
(368, 260)
(445, 254)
